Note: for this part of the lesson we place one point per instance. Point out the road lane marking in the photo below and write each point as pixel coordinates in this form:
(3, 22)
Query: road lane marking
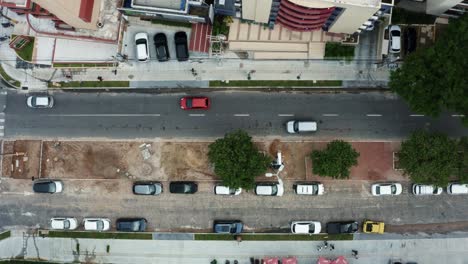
(330, 114)
(102, 115)
(458, 115)
(417, 115)
(285, 114)
(373, 115)
(242, 115)
(196, 114)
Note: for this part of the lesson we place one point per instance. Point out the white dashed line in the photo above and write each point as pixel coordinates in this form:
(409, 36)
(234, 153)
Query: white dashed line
(458, 115)
(103, 115)
(373, 115)
(242, 115)
(285, 114)
(196, 114)
(417, 115)
(330, 115)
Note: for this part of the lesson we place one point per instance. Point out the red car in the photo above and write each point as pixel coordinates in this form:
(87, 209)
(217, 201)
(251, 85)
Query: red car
(188, 103)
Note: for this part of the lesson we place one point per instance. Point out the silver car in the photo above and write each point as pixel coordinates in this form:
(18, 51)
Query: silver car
(40, 101)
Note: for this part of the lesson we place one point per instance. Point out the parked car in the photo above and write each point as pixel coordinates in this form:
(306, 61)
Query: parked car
(42, 101)
(306, 227)
(227, 226)
(96, 224)
(269, 188)
(147, 188)
(410, 40)
(63, 223)
(373, 227)
(226, 190)
(48, 186)
(142, 48)
(180, 39)
(190, 102)
(162, 51)
(395, 39)
(313, 188)
(457, 188)
(185, 187)
(379, 189)
(131, 224)
(420, 189)
(342, 227)
(295, 126)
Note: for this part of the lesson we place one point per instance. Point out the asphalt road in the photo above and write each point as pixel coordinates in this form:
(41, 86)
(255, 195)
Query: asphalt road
(374, 116)
(176, 212)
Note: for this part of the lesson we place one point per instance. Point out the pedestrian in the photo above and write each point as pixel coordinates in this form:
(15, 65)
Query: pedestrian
(332, 246)
(100, 78)
(355, 253)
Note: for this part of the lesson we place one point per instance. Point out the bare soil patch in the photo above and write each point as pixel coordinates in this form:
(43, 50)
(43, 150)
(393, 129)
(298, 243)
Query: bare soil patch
(21, 159)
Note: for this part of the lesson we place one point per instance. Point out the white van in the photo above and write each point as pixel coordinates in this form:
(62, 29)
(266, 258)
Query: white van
(420, 189)
(295, 126)
(313, 188)
(457, 188)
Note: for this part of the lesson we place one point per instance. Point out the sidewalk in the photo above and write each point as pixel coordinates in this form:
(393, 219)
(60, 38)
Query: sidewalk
(423, 251)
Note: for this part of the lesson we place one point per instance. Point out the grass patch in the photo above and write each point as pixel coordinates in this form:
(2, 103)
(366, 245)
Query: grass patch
(5, 234)
(7, 78)
(274, 237)
(401, 16)
(91, 84)
(26, 52)
(171, 23)
(221, 25)
(83, 65)
(335, 50)
(99, 235)
(273, 83)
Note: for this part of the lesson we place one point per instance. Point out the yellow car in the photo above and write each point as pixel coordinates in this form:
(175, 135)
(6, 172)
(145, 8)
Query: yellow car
(373, 227)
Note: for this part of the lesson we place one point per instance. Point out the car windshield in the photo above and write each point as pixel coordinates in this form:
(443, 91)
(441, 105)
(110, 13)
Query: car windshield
(296, 126)
(161, 51)
(187, 188)
(395, 33)
(66, 224)
(393, 189)
(189, 102)
(377, 190)
(141, 41)
(369, 228)
(274, 190)
(99, 225)
(311, 228)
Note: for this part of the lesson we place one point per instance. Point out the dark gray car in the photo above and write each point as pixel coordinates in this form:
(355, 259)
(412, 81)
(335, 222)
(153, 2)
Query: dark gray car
(185, 187)
(131, 224)
(228, 226)
(147, 188)
(180, 39)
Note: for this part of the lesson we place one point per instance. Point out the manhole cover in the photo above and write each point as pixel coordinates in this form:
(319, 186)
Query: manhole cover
(146, 169)
(131, 76)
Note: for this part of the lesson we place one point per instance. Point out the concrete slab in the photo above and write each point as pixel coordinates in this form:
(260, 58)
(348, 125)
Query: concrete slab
(69, 50)
(173, 236)
(44, 50)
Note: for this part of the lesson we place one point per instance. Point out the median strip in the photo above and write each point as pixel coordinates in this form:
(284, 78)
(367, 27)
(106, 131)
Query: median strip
(274, 237)
(96, 235)
(276, 83)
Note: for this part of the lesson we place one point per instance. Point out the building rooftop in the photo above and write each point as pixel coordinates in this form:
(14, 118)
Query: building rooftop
(165, 4)
(328, 3)
(18, 3)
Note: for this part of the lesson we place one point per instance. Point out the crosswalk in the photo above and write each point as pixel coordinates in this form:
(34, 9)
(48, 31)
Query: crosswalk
(2, 124)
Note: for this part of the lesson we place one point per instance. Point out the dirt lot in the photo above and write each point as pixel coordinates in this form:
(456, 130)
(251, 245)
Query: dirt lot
(24, 165)
(176, 161)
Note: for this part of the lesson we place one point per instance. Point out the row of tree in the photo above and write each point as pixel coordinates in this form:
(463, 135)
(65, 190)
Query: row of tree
(427, 158)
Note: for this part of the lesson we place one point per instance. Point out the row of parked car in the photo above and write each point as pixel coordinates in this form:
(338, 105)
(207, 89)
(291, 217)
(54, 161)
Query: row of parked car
(162, 50)
(99, 224)
(261, 188)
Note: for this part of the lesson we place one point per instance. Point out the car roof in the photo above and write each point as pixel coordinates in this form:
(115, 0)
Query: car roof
(44, 186)
(42, 100)
(199, 102)
(302, 227)
(142, 52)
(264, 189)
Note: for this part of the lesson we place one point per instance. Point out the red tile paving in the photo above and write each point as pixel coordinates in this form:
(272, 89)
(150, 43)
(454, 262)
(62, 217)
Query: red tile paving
(199, 41)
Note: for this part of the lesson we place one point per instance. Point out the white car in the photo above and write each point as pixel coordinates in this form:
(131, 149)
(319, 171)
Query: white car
(142, 47)
(226, 190)
(306, 227)
(457, 188)
(395, 39)
(313, 188)
(294, 126)
(270, 188)
(420, 189)
(96, 224)
(63, 223)
(379, 189)
(40, 101)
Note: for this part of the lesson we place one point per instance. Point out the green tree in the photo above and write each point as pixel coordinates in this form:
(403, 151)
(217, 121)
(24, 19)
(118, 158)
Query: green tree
(237, 161)
(463, 159)
(429, 158)
(335, 160)
(434, 79)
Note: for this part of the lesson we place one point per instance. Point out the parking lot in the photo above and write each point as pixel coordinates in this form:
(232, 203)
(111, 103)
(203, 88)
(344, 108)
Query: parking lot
(98, 179)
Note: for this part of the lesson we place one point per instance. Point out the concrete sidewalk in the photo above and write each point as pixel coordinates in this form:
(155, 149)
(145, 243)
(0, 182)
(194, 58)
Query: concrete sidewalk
(432, 250)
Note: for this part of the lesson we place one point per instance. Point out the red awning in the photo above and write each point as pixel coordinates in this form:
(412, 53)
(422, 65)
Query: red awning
(323, 260)
(291, 260)
(339, 260)
(270, 260)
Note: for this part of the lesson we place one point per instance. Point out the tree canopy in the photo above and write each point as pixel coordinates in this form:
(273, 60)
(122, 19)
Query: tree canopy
(463, 159)
(335, 160)
(434, 79)
(237, 161)
(429, 158)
